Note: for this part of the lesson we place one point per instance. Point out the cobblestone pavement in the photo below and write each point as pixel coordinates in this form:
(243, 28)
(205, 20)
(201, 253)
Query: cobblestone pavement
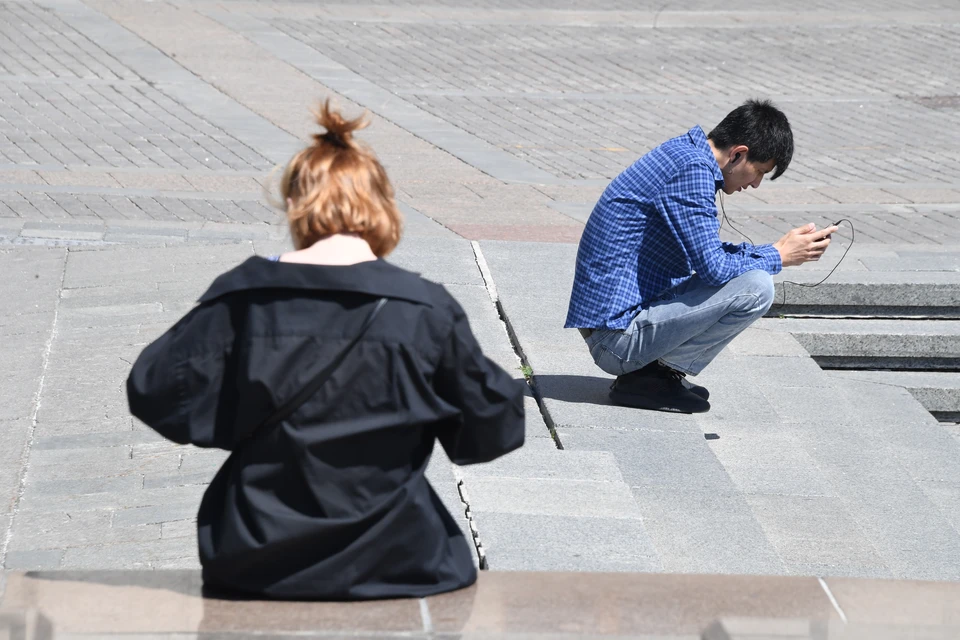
(136, 140)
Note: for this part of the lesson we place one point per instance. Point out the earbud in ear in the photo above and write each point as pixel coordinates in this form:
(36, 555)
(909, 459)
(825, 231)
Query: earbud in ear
(736, 157)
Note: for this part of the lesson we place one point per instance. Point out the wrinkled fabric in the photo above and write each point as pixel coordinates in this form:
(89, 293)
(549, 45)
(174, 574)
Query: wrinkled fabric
(332, 503)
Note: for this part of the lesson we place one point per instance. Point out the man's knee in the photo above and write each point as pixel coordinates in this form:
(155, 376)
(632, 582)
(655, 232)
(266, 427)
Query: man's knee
(759, 284)
(602, 345)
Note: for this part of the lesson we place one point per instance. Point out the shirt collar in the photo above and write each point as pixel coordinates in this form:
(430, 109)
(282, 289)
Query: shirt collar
(376, 278)
(699, 140)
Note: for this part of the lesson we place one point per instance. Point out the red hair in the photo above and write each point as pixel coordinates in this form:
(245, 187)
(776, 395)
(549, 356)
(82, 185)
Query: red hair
(337, 185)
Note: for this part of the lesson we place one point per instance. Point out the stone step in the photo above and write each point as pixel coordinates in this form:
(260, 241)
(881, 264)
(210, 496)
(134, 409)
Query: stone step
(510, 604)
(868, 293)
(876, 344)
(937, 391)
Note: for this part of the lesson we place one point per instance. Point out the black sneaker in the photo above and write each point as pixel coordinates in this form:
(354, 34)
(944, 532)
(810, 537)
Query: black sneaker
(658, 388)
(697, 389)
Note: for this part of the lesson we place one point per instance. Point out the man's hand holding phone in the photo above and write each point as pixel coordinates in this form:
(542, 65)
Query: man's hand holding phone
(804, 244)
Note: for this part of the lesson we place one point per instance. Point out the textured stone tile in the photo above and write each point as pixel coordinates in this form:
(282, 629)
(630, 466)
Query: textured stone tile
(13, 440)
(565, 497)
(565, 543)
(654, 458)
(705, 531)
(44, 559)
(595, 466)
(41, 530)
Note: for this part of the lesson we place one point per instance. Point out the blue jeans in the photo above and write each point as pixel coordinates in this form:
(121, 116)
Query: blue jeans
(686, 328)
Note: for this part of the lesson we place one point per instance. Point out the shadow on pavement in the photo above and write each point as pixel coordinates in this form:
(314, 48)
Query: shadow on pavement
(574, 388)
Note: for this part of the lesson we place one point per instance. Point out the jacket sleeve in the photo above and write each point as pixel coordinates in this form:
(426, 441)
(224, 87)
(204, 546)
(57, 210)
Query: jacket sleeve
(176, 383)
(489, 400)
(688, 204)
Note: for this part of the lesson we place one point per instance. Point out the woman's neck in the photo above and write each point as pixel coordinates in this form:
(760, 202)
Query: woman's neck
(336, 249)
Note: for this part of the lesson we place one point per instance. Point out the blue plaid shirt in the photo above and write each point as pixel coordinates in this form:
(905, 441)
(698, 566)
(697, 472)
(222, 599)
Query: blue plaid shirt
(653, 228)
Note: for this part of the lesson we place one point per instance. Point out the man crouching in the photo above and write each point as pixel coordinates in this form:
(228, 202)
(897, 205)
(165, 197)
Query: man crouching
(656, 294)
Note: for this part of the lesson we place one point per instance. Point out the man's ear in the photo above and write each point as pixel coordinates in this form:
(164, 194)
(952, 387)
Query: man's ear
(737, 153)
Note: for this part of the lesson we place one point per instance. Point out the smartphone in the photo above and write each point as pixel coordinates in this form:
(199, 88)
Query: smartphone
(835, 224)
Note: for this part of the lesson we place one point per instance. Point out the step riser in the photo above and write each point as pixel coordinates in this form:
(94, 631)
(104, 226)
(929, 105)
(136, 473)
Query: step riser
(881, 300)
(862, 311)
(937, 391)
(884, 363)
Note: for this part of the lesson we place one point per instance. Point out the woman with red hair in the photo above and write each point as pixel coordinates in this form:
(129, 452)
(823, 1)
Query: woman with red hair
(328, 374)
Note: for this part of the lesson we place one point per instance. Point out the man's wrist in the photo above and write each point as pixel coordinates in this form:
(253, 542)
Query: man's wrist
(783, 257)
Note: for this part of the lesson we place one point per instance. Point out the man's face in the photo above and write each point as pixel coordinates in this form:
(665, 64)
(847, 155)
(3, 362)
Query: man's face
(741, 173)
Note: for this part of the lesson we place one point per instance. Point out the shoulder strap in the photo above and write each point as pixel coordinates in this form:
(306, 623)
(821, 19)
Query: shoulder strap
(287, 408)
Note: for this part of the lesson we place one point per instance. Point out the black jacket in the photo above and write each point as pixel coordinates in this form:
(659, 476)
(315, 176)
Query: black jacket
(331, 503)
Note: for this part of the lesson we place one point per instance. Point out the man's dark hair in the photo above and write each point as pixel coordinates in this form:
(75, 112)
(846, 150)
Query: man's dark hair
(762, 128)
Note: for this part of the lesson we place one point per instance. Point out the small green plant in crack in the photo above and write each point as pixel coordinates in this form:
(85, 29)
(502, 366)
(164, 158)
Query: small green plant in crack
(527, 371)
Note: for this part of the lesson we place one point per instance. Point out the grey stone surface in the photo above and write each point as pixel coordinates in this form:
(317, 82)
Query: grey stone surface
(128, 145)
(45, 559)
(487, 326)
(565, 543)
(937, 391)
(654, 458)
(170, 553)
(551, 497)
(789, 434)
(14, 439)
(912, 342)
(449, 262)
(595, 466)
(437, 131)
(700, 530)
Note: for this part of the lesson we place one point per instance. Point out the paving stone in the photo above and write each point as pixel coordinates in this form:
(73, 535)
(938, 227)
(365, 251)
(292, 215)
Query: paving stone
(650, 458)
(14, 437)
(551, 497)
(119, 499)
(87, 179)
(595, 466)
(450, 262)
(579, 401)
(155, 554)
(914, 194)
(39, 530)
(705, 531)
(83, 485)
(103, 455)
(179, 529)
(178, 479)
(155, 514)
(945, 494)
(848, 405)
(159, 182)
(848, 194)
(793, 195)
(441, 476)
(21, 177)
(565, 543)
(760, 342)
(45, 559)
(538, 105)
(201, 460)
(919, 340)
(805, 517)
(229, 184)
(786, 481)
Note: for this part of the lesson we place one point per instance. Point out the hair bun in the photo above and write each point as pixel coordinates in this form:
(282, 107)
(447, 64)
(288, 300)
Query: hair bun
(339, 130)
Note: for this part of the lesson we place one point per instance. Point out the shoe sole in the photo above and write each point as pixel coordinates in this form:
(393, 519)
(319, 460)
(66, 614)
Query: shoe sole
(639, 402)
